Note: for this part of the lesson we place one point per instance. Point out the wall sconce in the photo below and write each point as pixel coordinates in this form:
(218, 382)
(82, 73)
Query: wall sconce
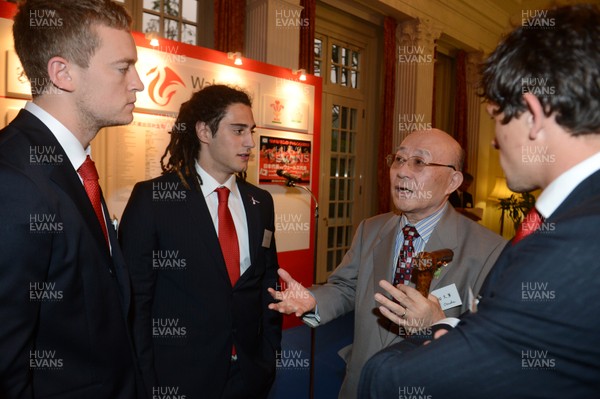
(301, 72)
(236, 57)
(152, 36)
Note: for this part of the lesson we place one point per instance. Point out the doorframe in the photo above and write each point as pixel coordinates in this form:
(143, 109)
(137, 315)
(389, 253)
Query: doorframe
(351, 31)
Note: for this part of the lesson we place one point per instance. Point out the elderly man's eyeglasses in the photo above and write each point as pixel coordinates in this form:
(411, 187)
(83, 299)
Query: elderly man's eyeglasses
(415, 164)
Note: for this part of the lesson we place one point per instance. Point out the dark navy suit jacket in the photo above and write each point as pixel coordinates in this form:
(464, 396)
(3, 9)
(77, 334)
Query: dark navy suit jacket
(64, 299)
(187, 314)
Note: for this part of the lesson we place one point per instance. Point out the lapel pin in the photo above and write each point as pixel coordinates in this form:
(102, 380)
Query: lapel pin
(254, 202)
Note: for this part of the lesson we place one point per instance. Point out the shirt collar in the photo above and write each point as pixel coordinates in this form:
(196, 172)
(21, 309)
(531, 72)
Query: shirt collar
(426, 226)
(209, 184)
(557, 191)
(69, 143)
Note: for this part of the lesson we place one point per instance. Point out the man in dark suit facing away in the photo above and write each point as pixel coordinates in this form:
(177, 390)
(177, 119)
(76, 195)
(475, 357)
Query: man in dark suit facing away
(200, 244)
(535, 332)
(64, 288)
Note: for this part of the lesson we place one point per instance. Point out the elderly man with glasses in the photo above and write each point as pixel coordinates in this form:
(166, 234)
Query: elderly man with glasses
(378, 266)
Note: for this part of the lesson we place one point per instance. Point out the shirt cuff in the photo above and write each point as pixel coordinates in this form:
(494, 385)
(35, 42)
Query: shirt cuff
(450, 321)
(312, 319)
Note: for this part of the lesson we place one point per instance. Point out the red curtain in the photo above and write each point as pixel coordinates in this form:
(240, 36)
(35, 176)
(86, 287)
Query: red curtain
(460, 106)
(230, 25)
(387, 117)
(306, 59)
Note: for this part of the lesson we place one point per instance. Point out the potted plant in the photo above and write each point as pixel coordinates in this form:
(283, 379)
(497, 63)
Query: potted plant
(517, 206)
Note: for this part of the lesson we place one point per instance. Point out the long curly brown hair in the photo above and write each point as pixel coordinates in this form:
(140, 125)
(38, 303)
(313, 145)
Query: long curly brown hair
(208, 105)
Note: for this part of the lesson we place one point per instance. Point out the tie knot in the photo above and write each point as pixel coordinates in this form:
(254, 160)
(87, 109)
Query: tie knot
(87, 170)
(223, 193)
(410, 231)
(532, 221)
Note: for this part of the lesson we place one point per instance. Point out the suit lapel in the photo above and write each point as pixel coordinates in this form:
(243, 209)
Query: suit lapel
(118, 263)
(66, 178)
(583, 192)
(444, 236)
(207, 236)
(383, 264)
(63, 175)
(384, 252)
(252, 209)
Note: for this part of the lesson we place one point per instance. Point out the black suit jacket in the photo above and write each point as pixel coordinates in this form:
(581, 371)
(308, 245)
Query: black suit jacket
(536, 331)
(187, 315)
(63, 298)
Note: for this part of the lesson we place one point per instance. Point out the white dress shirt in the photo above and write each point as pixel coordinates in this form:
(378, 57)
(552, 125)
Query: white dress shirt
(558, 191)
(236, 207)
(72, 147)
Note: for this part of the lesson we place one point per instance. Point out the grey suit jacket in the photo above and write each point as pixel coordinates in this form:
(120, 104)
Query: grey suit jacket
(370, 259)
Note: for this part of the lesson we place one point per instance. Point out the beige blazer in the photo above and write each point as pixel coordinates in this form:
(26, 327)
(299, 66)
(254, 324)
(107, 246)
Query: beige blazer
(354, 282)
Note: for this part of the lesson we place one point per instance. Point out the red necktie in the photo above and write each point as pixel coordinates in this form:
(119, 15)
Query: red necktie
(228, 237)
(404, 268)
(89, 174)
(531, 222)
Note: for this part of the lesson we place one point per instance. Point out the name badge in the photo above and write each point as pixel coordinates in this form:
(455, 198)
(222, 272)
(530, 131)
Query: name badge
(266, 242)
(448, 296)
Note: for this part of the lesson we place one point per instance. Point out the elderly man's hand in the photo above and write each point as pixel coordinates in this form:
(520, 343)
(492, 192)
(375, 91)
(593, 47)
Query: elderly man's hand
(411, 310)
(293, 299)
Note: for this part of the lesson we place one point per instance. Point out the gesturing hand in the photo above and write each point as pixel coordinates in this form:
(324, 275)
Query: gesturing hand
(293, 299)
(411, 310)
